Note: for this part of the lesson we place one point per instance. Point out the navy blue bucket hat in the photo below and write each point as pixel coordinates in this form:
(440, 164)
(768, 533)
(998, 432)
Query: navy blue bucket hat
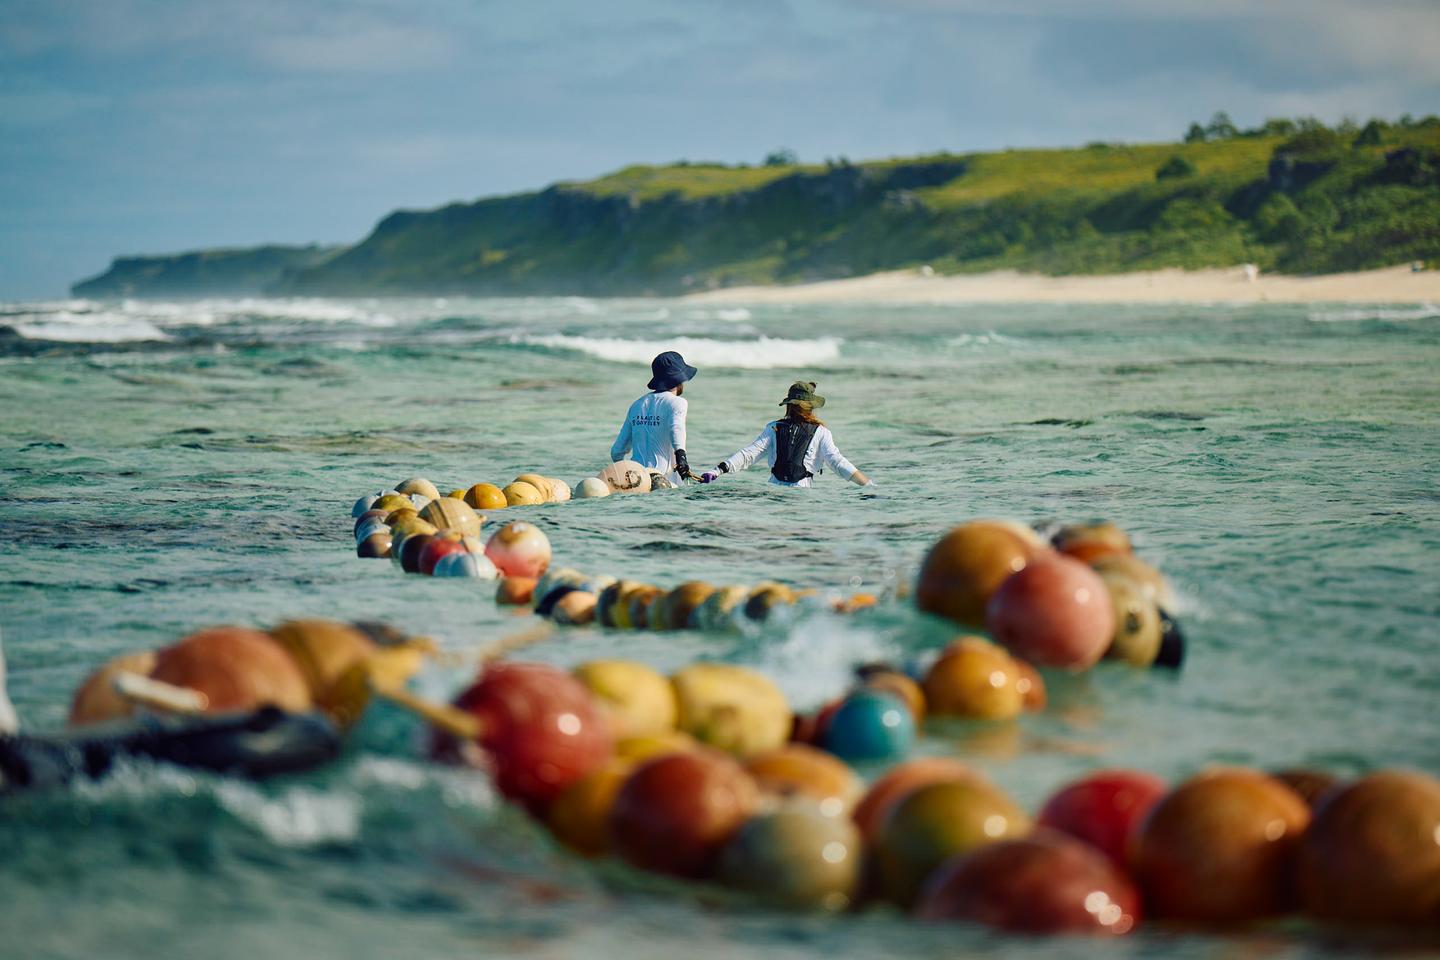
(670, 370)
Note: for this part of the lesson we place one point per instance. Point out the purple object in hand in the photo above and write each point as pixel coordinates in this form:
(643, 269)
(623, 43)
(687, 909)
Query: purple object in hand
(709, 477)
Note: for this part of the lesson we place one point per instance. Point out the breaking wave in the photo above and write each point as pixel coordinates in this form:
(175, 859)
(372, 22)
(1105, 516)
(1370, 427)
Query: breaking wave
(764, 353)
(1424, 311)
(989, 338)
(90, 321)
(82, 326)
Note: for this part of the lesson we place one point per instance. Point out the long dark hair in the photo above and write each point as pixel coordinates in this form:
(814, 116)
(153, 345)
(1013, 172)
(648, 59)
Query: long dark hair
(803, 413)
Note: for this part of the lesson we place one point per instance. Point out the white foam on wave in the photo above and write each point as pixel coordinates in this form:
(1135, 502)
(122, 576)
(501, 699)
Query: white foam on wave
(459, 787)
(1424, 311)
(582, 305)
(297, 817)
(764, 353)
(303, 815)
(309, 310)
(723, 314)
(90, 321)
(818, 656)
(987, 339)
(202, 313)
(68, 326)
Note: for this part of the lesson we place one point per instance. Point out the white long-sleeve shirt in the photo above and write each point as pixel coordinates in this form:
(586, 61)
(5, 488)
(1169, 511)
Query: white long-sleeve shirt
(9, 722)
(654, 429)
(821, 453)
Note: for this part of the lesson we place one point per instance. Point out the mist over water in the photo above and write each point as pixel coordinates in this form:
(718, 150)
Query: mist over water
(167, 466)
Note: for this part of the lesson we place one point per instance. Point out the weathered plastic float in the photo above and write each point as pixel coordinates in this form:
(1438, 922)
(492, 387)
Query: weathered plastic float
(708, 775)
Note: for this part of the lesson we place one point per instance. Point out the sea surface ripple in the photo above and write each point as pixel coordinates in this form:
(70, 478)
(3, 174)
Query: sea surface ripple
(167, 466)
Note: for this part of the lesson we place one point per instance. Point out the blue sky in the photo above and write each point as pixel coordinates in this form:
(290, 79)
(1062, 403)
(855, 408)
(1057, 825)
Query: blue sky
(163, 125)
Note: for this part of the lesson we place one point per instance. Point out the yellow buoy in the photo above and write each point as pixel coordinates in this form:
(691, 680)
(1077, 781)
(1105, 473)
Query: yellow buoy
(486, 496)
(392, 501)
(638, 699)
(732, 708)
(538, 482)
(448, 514)
(521, 494)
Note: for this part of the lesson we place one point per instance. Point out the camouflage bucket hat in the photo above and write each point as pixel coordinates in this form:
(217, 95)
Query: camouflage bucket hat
(802, 392)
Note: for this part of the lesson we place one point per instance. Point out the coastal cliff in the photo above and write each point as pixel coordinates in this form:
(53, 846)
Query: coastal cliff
(642, 230)
(241, 272)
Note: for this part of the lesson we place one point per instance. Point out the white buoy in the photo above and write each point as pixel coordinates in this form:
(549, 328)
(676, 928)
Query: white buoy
(592, 487)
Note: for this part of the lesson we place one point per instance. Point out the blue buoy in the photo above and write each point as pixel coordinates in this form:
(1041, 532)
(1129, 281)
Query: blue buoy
(870, 725)
(477, 566)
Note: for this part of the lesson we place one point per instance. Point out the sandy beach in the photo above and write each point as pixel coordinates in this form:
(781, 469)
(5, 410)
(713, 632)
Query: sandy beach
(1390, 285)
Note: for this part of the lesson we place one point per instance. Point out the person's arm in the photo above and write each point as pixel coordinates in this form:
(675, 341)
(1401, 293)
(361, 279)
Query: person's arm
(679, 409)
(747, 455)
(831, 456)
(621, 446)
(678, 412)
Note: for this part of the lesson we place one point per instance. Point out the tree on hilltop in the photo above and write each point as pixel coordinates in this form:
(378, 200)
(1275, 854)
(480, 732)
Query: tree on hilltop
(1372, 134)
(1220, 127)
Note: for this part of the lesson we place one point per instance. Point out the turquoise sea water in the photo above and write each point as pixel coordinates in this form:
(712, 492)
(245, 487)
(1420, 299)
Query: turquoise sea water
(170, 466)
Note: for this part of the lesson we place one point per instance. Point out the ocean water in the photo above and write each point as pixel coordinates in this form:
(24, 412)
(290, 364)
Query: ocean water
(167, 466)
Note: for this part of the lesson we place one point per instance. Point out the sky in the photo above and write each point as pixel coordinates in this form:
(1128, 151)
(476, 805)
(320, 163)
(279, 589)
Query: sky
(156, 126)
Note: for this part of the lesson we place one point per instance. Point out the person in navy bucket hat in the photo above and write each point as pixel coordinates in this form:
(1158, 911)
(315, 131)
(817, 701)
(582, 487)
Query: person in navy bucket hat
(669, 370)
(653, 433)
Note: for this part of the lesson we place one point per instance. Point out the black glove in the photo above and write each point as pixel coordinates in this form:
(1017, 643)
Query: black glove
(682, 466)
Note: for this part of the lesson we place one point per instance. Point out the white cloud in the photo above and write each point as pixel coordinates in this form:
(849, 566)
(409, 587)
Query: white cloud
(1397, 36)
(1294, 10)
(1394, 38)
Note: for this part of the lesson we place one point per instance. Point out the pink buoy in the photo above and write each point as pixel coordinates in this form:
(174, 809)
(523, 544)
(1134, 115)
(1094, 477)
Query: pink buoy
(1055, 612)
(520, 549)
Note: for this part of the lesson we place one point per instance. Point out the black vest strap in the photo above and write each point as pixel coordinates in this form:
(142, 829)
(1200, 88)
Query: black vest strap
(792, 442)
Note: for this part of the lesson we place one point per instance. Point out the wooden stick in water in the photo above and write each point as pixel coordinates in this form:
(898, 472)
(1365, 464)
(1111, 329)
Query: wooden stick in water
(453, 720)
(515, 642)
(158, 695)
(495, 650)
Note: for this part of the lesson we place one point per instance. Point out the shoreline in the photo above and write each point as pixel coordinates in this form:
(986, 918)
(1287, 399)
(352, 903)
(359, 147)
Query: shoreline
(1390, 285)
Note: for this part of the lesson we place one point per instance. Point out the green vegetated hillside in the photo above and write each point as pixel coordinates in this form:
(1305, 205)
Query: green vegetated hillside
(1306, 201)
(202, 273)
(1290, 197)
(1315, 202)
